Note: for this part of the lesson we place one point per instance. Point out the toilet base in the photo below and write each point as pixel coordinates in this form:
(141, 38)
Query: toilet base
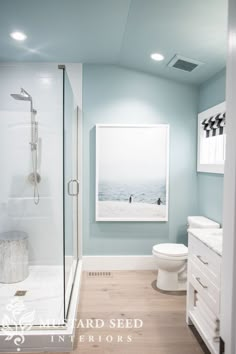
(171, 281)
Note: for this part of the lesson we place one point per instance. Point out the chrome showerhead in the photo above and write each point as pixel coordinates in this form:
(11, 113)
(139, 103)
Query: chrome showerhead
(18, 96)
(23, 96)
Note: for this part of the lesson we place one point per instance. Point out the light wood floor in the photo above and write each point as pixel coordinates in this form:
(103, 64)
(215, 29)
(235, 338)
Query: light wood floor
(130, 294)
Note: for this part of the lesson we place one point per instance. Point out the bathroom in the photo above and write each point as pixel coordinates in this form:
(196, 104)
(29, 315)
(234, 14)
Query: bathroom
(106, 151)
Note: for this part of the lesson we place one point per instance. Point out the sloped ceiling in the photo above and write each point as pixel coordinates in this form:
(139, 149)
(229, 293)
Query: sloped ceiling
(120, 32)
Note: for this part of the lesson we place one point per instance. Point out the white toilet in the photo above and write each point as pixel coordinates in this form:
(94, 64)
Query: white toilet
(172, 258)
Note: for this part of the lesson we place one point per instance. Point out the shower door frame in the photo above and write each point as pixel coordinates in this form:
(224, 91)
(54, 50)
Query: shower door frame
(75, 204)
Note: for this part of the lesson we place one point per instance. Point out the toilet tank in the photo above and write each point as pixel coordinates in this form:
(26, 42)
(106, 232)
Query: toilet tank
(201, 222)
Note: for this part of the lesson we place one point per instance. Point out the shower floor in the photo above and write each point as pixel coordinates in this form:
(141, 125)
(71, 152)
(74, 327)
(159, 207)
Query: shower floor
(43, 302)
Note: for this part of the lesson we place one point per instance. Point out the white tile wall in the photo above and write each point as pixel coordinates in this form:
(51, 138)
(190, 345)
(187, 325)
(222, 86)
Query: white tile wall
(43, 222)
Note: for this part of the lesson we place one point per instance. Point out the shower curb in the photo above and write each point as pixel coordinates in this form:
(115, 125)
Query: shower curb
(50, 339)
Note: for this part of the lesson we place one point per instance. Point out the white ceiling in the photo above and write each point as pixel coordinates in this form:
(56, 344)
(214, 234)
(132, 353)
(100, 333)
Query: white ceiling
(120, 32)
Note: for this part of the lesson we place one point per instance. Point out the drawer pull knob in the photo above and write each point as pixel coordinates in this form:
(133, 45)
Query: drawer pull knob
(199, 280)
(201, 260)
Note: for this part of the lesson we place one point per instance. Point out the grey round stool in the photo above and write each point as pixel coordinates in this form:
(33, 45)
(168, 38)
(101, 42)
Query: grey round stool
(14, 259)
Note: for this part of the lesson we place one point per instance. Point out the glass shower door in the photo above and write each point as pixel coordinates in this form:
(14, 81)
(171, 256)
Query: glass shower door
(31, 219)
(71, 190)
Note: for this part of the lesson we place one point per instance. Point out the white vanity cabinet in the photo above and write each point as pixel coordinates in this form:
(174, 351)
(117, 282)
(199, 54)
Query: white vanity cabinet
(203, 289)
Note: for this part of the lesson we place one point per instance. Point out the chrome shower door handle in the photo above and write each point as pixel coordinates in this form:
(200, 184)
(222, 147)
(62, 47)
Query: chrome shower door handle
(70, 187)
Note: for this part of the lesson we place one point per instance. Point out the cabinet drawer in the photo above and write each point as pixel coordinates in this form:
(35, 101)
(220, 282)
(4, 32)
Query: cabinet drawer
(202, 284)
(207, 260)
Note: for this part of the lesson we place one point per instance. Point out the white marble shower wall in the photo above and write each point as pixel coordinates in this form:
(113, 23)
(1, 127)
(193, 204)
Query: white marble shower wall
(42, 222)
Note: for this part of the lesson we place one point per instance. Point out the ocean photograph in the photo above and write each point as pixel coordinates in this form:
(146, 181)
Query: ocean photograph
(149, 192)
(132, 173)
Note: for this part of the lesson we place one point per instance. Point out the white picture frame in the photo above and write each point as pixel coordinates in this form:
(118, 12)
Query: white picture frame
(206, 167)
(132, 172)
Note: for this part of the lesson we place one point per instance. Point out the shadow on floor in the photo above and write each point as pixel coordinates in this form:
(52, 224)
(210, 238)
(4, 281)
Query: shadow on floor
(176, 293)
(199, 339)
(192, 328)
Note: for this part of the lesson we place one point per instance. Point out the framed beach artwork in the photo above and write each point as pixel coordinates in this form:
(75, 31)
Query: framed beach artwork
(132, 172)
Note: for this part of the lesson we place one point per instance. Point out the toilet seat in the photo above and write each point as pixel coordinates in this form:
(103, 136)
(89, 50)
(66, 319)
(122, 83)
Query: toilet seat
(170, 251)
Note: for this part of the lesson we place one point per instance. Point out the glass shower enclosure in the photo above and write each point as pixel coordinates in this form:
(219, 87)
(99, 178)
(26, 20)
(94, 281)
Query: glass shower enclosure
(38, 195)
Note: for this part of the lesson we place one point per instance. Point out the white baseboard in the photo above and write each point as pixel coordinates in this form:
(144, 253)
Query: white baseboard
(119, 263)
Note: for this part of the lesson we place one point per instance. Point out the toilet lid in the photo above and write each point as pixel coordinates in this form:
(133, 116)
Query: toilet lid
(171, 249)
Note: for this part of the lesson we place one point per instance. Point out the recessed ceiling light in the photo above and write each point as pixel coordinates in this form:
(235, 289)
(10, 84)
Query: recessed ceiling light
(18, 36)
(157, 56)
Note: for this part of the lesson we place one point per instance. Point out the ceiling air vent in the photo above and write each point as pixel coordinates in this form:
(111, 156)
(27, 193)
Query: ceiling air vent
(184, 64)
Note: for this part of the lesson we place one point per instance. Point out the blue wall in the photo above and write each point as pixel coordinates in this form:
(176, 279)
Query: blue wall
(210, 186)
(212, 92)
(115, 95)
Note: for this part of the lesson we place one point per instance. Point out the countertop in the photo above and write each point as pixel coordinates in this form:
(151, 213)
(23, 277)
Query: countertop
(212, 238)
